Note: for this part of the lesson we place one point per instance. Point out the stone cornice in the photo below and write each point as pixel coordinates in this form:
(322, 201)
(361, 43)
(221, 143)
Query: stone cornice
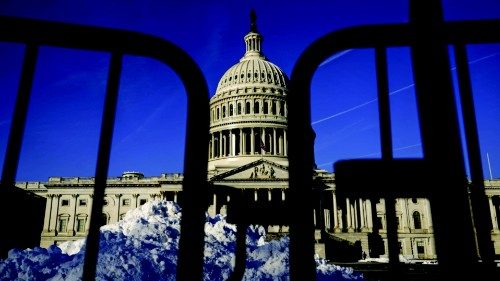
(83, 186)
(258, 124)
(253, 95)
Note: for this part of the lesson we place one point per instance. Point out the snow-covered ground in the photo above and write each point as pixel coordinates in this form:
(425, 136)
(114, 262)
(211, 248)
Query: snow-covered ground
(143, 246)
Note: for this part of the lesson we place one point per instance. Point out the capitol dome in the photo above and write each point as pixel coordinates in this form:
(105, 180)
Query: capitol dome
(252, 69)
(248, 113)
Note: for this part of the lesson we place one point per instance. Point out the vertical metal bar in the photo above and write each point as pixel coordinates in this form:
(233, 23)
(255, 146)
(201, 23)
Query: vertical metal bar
(441, 139)
(302, 266)
(481, 214)
(384, 103)
(195, 189)
(387, 154)
(101, 173)
(301, 162)
(18, 124)
(240, 252)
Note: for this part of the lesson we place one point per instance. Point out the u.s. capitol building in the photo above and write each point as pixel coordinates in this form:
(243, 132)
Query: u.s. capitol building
(248, 151)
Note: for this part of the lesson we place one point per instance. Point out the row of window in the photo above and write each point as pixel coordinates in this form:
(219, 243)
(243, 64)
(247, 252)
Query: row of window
(420, 248)
(417, 221)
(255, 76)
(269, 107)
(83, 202)
(80, 223)
(81, 220)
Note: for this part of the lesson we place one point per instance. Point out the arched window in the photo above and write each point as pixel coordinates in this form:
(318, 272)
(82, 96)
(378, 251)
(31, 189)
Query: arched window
(282, 108)
(218, 113)
(273, 109)
(417, 221)
(239, 109)
(223, 111)
(256, 108)
(247, 108)
(230, 110)
(265, 109)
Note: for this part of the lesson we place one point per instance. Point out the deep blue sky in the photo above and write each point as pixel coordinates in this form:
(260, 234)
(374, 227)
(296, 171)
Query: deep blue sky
(65, 111)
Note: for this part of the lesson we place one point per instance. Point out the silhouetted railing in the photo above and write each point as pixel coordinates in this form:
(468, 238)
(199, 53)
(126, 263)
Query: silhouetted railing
(33, 34)
(442, 164)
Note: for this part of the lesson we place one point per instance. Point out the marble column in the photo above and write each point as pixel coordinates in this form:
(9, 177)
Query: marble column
(494, 221)
(118, 196)
(326, 215)
(335, 213)
(252, 142)
(285, 143)
(263, 140)
(356, 220)
(362, 222)
(369, 216)
(231, 143)
(73, 215)
(48, 212)
(274, 141)
(87, 222)
(348, 217)
(212, 149)
(136, 196)
(241, 142)
(56, 217)
(220, 144)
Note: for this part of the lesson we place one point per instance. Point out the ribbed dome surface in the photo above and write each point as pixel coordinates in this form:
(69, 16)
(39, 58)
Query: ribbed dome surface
(254, 70)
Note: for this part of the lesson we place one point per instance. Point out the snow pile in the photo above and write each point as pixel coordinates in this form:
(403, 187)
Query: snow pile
(143, 246)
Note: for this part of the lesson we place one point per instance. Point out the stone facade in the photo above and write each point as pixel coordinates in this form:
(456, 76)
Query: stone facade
(69, 201)
(248, 152)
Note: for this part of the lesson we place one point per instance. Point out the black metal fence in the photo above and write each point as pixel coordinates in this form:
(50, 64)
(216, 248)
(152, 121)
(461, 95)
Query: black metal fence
(427, 36)
(439, 176)
(118, 43)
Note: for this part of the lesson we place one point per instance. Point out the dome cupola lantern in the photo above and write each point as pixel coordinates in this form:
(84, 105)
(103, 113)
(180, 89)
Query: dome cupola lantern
(253, 39)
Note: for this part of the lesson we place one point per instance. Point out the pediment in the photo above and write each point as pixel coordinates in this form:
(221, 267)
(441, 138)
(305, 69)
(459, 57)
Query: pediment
(258, 170)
